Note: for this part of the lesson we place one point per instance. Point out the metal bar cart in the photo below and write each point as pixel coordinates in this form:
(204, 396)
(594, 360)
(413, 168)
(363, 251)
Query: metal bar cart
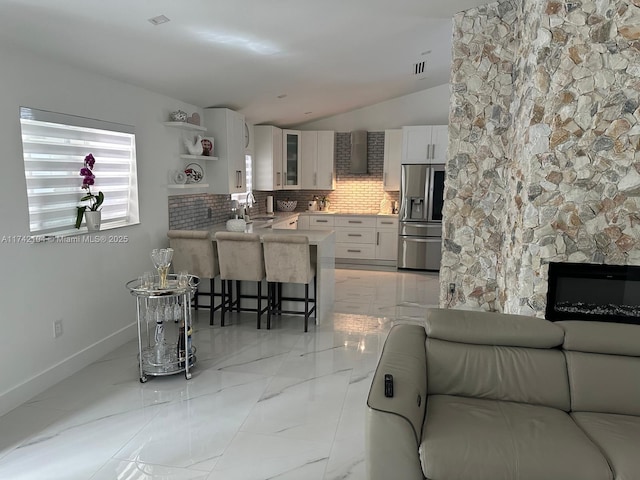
(156, 306)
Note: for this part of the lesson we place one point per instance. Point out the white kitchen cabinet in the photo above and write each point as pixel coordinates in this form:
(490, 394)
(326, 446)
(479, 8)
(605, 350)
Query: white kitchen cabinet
(291, 160)
(424, 144)
(318, 160)
(290, 223)
(321, 222)
(362, 239)
(303, 222)
(392, 160)
(228, 175)
(268, 157)
(387, 238)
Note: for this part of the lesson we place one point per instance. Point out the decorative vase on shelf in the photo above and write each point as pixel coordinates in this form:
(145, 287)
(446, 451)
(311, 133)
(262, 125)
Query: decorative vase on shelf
(93, 219)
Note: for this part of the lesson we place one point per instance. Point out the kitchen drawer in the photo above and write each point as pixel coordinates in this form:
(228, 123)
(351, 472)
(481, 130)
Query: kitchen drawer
(355, 250)
(355, 236)
(384, 223)
(321, 221)
(356, 222)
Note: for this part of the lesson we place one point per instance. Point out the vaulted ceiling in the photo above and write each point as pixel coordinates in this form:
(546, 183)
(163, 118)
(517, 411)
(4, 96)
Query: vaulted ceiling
(282, 62)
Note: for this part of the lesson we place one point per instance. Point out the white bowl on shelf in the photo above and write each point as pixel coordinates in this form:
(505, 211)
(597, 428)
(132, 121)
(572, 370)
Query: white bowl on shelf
(236, 225)
(287, 205)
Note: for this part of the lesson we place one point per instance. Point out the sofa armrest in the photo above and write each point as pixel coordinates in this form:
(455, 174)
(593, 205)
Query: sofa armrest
(394, 424)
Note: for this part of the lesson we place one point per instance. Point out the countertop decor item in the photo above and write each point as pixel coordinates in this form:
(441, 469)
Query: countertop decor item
(179, 177)
(236, 225)
(178, 116)
(194, 173)
(194, 119)
(207, 146)
(95, 201)
(194, 147)
(287, 205)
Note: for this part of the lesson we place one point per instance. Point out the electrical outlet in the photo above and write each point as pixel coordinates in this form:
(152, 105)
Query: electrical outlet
(57, 328)
(452, 288)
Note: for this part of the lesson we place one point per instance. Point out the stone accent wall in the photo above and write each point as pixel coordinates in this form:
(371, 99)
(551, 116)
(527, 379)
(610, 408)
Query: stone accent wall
(360, 193)
(543, 154)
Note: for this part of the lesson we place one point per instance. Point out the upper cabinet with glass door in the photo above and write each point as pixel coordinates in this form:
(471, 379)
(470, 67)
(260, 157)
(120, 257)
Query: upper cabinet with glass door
(291, 159)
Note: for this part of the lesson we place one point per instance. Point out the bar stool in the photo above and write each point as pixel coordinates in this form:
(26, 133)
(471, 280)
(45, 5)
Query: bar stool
(287, 259)
(241, 259)
(195, 252)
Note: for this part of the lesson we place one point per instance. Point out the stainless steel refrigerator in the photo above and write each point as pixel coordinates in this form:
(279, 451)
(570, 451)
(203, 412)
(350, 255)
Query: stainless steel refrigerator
(420, 225)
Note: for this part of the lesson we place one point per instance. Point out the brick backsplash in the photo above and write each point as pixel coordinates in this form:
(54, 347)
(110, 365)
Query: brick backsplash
(357, 193)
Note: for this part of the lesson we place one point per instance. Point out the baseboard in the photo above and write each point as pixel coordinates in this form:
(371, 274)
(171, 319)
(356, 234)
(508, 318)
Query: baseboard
(19, 394)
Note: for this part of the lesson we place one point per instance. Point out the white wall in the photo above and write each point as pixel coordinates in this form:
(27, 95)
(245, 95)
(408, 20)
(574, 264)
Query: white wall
(82, 284)
(426, 107)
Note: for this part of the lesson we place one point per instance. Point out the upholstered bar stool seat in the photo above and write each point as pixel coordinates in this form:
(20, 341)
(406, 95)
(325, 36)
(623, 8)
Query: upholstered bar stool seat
(195, 252)
(287, 259)
(241, 259)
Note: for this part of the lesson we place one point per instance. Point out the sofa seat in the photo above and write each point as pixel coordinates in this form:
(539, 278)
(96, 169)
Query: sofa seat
(618, 436)
(488, 439)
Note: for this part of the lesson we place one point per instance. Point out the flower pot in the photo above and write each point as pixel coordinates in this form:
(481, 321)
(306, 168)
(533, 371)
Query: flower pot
(92, 220)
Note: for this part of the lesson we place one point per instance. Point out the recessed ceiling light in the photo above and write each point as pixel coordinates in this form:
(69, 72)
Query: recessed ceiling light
(282, 96)
(159, 20)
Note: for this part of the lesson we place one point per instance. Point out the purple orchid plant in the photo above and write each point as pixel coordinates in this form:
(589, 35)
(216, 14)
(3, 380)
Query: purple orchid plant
(88, 179)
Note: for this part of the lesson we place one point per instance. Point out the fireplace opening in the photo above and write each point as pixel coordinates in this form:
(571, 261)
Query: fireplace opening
(585, 291)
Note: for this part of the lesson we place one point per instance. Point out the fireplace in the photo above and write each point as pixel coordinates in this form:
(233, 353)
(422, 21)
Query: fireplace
(585, 291)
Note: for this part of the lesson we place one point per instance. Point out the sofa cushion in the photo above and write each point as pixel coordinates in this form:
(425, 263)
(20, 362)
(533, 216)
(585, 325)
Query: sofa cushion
(604, 383)
(491, 328)
(601, 337)
(495, 440)
(618, 436)
(528, 375)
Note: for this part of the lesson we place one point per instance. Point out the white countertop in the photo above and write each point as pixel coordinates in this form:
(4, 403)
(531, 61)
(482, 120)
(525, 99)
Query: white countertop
(350, 214)
(315, 236)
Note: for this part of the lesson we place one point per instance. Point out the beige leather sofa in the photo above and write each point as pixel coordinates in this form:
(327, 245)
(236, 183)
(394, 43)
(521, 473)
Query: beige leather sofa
(487, 396)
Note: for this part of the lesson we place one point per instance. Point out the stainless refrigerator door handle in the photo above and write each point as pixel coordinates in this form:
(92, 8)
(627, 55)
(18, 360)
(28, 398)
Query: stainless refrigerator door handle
(420, 225)
(421, 239)
(377, 238)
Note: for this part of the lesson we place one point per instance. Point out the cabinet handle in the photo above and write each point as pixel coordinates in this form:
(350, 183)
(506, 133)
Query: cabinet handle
(292, 223)
(433, 151)
(331, 178)
(354, 221)
(377, 238)
(353, 235)
(384, 181)
(322, 221)
(315, 179)
(387, 223)
(277, 179)
(354, 251)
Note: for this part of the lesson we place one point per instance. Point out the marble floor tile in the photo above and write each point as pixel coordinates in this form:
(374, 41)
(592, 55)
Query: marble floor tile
(261, 404)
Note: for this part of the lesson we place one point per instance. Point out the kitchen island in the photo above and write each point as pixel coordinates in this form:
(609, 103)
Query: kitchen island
(322, 245)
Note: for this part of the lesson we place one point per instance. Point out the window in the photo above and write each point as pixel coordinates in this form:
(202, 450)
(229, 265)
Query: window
(54, 146)
(242, 197)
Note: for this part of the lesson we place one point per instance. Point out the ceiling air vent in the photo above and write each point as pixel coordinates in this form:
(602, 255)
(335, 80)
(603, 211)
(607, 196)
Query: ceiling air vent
(159, 20)
(418, 68)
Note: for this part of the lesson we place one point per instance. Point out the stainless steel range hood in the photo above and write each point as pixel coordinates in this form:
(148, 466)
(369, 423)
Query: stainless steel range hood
(358, 162)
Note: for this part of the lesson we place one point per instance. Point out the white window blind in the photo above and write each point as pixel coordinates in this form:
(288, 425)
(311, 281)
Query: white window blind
(54, 147)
